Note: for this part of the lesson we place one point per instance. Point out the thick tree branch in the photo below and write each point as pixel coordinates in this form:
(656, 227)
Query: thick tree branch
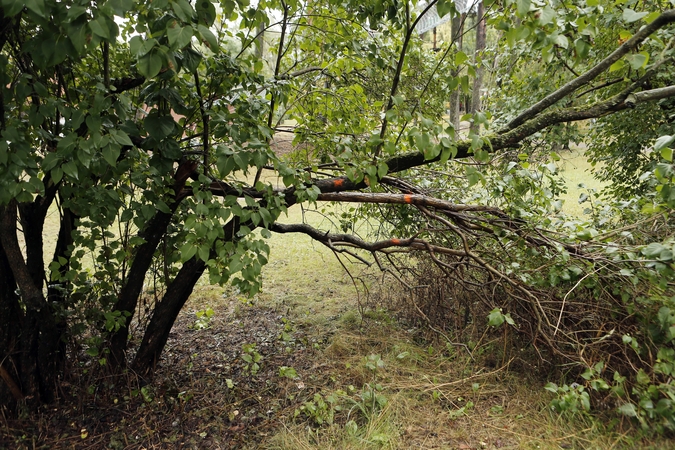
(410, 199)
(127, 83)
(30, 293)
(654, 94)
(152, 234)
(631, 44)
(11, 384)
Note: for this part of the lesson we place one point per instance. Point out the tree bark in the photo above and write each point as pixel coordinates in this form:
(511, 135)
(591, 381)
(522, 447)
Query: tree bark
(164, 316)
(477, 58)
(11, 319)
(38, 338)
(457, 33)
(166, 312)
(153, 232)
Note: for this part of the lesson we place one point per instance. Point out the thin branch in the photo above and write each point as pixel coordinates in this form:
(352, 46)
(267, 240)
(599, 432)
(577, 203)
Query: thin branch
(205, 123)
(397, 75)
(401, 199)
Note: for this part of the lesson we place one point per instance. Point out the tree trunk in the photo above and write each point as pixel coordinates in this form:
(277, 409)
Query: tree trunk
(164, 316)
(166, 312)
(153, 233)
(38, 338)
(457, 33)
(11, 319)
(477, 57)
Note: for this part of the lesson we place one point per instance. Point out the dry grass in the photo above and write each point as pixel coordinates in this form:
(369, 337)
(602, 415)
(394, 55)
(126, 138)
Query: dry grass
(576, 171)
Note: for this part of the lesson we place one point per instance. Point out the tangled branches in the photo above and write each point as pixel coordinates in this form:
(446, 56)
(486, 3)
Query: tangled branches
(572, 301)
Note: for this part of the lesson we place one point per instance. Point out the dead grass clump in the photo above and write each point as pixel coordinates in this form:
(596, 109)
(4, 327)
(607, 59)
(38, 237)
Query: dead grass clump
(548, 327)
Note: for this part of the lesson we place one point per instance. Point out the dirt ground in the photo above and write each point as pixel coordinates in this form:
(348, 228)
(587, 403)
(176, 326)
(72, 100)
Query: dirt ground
(204, 394)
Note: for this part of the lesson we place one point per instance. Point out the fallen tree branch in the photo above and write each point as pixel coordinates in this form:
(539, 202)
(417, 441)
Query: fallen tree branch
(631, 44)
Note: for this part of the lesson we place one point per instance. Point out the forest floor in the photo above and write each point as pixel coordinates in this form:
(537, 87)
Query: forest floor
(312, 362)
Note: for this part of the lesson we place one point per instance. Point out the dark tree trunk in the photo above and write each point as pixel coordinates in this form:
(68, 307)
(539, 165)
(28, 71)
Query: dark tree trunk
(38, 338)
(164, 316)
(153, 233)
(131, 291)
(166, 312)
(478, 80)
(11, 318)
(32, 224)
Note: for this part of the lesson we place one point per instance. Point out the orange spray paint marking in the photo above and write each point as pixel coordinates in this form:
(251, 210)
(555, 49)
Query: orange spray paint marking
(396, 241)
(408, 198)
(339, 182)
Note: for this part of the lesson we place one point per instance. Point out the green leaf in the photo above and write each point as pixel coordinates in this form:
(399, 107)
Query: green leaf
(191, 59)
(36, 6)
(665, 255)
(382, 169)
(12, 7)
(630, 15)
(443, 7)
(203, 253)
(582, 48)
(663, 142)
(111, 153)
(561, 41)
(460, 58)
(496, 318)
(121, 137)
(652, 16)
(127, 215)
(206, 12)
(145, 47)
(57, 174)
(208, 37)
(70, 169)
(100, 28)
(178, 36)
(667, 154)
(546, 15)
(523, 7)
(628, 409)
(617, 65)
(120, 7)
(150, 64)
(551, 387)
(637, 61)
(653, 250)
(183, 10)
(187, 251)
(159, 127)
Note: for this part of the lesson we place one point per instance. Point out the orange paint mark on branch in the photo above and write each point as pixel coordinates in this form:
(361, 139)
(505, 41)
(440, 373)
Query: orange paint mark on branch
(408, 198)
(338, 183)
(396, 241)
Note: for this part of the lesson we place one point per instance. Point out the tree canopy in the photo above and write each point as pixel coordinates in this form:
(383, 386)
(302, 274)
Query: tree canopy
(147, 128)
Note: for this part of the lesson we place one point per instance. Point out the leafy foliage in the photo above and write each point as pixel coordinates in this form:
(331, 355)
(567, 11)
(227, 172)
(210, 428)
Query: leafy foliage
(146, 127)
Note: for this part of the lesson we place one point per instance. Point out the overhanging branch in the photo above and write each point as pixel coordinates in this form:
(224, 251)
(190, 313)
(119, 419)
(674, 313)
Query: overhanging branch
(631, 44)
